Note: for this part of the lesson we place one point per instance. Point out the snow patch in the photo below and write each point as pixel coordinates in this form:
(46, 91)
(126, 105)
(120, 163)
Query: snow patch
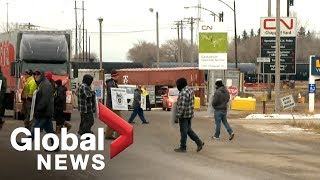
(284, 116)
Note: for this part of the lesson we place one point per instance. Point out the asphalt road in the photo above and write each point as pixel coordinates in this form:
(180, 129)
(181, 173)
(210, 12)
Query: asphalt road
(253, 154)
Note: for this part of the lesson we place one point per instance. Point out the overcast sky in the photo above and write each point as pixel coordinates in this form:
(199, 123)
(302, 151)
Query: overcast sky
(122, 18)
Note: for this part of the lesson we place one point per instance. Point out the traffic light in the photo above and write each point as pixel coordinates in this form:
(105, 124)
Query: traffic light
(290, 2)
(221, 17)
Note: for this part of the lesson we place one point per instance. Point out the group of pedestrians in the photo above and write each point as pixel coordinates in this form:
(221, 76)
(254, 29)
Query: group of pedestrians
(87, 102)
(49, 98)
(185, 113)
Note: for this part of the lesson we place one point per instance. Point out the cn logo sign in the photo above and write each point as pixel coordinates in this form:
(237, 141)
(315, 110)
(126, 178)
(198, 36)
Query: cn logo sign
(206, 27)
(288, 27)
(270, 24)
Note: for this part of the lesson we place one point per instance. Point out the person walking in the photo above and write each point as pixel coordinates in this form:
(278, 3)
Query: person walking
(220, 101)
(137, 110)
(30, 86)
(86, 105)
(111, 83)
(3, 89)
(60, 106)
(185, 111)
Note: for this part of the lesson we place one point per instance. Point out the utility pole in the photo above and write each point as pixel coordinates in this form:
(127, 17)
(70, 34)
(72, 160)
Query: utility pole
(83, 31)
(180, 41)
(89, 51)
(191, 41)
(101, 71)
(80, 42)
(277, 63)
(7, 17)
(86, 45)
(191, 22)
(181, 44)
(288, 8)
(269, 75)
(178, 31)
(158, 48)
(76, 40)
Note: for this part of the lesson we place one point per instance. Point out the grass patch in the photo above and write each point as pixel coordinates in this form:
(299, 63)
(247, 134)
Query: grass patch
(306, 124)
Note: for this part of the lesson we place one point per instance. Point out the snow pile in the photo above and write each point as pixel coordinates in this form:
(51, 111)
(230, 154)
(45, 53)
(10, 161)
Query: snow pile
(284, 116)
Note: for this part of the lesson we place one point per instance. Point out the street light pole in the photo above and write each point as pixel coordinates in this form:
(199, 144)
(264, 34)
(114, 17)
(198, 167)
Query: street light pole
(235, 34)
(101, 71)
(235, 30)
(199, 7)
(157, 26)
(157, 35)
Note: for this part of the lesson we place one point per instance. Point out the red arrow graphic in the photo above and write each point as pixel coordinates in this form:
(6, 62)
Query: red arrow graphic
(119, 125)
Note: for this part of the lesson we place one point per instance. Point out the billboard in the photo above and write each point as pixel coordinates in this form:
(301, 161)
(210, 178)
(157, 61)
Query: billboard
(213, 46)
(288, 32)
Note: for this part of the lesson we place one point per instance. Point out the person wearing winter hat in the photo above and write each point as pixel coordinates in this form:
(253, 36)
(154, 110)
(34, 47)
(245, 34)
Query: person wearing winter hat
(220, 101)
(185, 111)
(49, 77)
(111, 83)
(86, 105)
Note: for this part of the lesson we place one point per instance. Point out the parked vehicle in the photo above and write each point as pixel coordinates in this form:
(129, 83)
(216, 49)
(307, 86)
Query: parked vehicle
(170, 97)
(33, 49)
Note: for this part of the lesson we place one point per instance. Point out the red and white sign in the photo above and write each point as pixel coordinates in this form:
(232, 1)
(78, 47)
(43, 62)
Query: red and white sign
(120, 126)
(288, 27)
(233, 91)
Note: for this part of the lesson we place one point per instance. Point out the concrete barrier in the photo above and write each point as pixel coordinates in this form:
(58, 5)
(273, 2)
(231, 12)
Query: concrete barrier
(243, 104)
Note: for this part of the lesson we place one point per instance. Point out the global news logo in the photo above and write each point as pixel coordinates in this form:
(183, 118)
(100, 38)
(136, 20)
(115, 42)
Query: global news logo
(87, 142)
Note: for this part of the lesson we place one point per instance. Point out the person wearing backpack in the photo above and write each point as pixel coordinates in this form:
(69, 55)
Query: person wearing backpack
(220, 101)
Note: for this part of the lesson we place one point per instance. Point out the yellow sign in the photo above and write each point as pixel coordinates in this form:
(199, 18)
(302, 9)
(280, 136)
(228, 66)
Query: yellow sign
(317, 63)
(264, 98)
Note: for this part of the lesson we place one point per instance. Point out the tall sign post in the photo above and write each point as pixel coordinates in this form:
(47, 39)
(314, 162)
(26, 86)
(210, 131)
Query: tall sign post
(286, 63)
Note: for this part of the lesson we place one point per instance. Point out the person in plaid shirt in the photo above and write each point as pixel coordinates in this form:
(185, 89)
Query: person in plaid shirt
(86, 101)
(185, 110)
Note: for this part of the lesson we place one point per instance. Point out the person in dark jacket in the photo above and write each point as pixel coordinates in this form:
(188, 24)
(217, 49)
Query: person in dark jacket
(185, 111)
(86, 105)
(137, 107)
(220, 101)
(3, 89)
(60, 106)
(44, 106)
(111, 83)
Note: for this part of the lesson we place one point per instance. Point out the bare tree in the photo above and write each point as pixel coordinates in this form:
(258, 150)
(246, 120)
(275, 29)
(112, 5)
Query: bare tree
(143, 52)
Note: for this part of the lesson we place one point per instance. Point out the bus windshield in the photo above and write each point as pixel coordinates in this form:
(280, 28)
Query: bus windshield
(56, 69)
